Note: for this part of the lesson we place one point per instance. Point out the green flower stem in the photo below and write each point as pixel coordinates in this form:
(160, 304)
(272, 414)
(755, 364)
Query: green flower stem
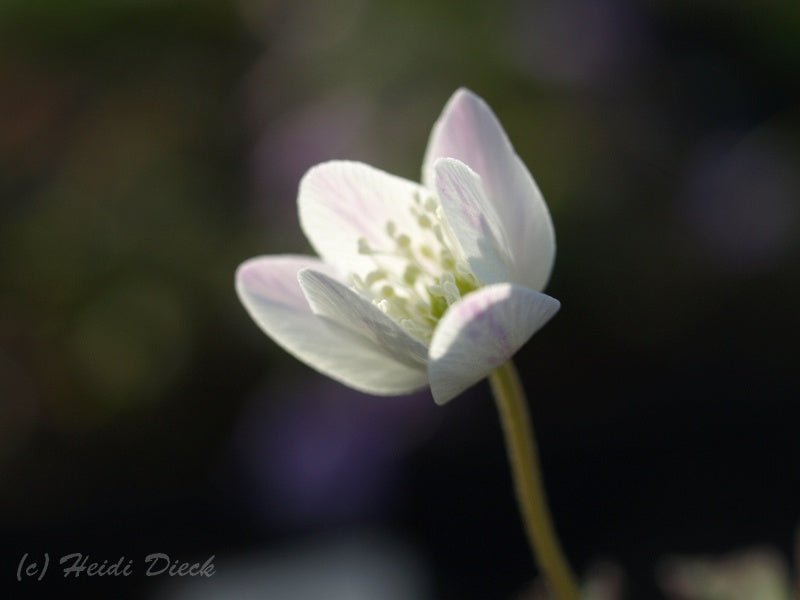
(524, 460)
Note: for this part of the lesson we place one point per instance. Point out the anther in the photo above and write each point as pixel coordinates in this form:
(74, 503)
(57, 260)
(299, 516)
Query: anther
(448, 262)
(364, 247)
(426, 251)
(411, 273)
(435, 290)
(375, 275)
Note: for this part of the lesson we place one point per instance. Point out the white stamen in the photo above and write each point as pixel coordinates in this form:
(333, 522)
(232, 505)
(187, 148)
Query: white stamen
(416, 289)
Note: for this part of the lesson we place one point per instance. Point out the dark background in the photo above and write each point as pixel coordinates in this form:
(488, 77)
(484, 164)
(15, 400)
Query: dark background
(148, 147)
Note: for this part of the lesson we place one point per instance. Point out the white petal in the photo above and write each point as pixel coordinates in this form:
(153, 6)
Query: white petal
(335, 301)
(341, 202)
(269, 290)
(469, 131)
(473, 220)
(481, 332)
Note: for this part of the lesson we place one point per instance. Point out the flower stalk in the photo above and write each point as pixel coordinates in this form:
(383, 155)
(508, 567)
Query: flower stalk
(526, 472)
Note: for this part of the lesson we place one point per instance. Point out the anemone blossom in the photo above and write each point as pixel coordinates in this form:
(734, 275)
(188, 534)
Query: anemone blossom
(437, 283)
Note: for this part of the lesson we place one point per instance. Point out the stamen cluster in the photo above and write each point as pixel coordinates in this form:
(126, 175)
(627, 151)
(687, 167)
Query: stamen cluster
(417, 276)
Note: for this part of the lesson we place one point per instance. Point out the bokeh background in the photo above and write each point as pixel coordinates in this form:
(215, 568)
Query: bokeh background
(149, 146)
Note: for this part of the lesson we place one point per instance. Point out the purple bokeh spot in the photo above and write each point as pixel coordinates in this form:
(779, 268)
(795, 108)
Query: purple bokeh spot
(741, 201)
(579, 41)
(323, 454)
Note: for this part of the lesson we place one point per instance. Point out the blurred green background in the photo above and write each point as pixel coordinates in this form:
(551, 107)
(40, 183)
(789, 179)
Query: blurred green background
(148, 147)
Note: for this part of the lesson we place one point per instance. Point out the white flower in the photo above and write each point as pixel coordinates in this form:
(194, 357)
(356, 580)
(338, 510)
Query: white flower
(434, 284)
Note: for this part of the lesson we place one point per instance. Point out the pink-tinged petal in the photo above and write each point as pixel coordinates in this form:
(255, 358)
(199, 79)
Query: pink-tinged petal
(481, 332)
(473, 220)
(269, 289)
(469, 131)
(341, 202)
(333, 300)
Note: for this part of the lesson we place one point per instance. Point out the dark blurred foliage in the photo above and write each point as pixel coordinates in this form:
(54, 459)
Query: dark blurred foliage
(149, 146)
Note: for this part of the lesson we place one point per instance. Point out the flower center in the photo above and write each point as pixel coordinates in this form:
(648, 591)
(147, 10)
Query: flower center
(417, 276)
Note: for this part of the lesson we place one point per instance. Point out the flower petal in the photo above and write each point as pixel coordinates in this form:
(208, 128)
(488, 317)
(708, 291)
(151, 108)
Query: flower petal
(481, 332)
(333, 300)
(473, 220)
(342, 201)
(469, 131)
(269, 290)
